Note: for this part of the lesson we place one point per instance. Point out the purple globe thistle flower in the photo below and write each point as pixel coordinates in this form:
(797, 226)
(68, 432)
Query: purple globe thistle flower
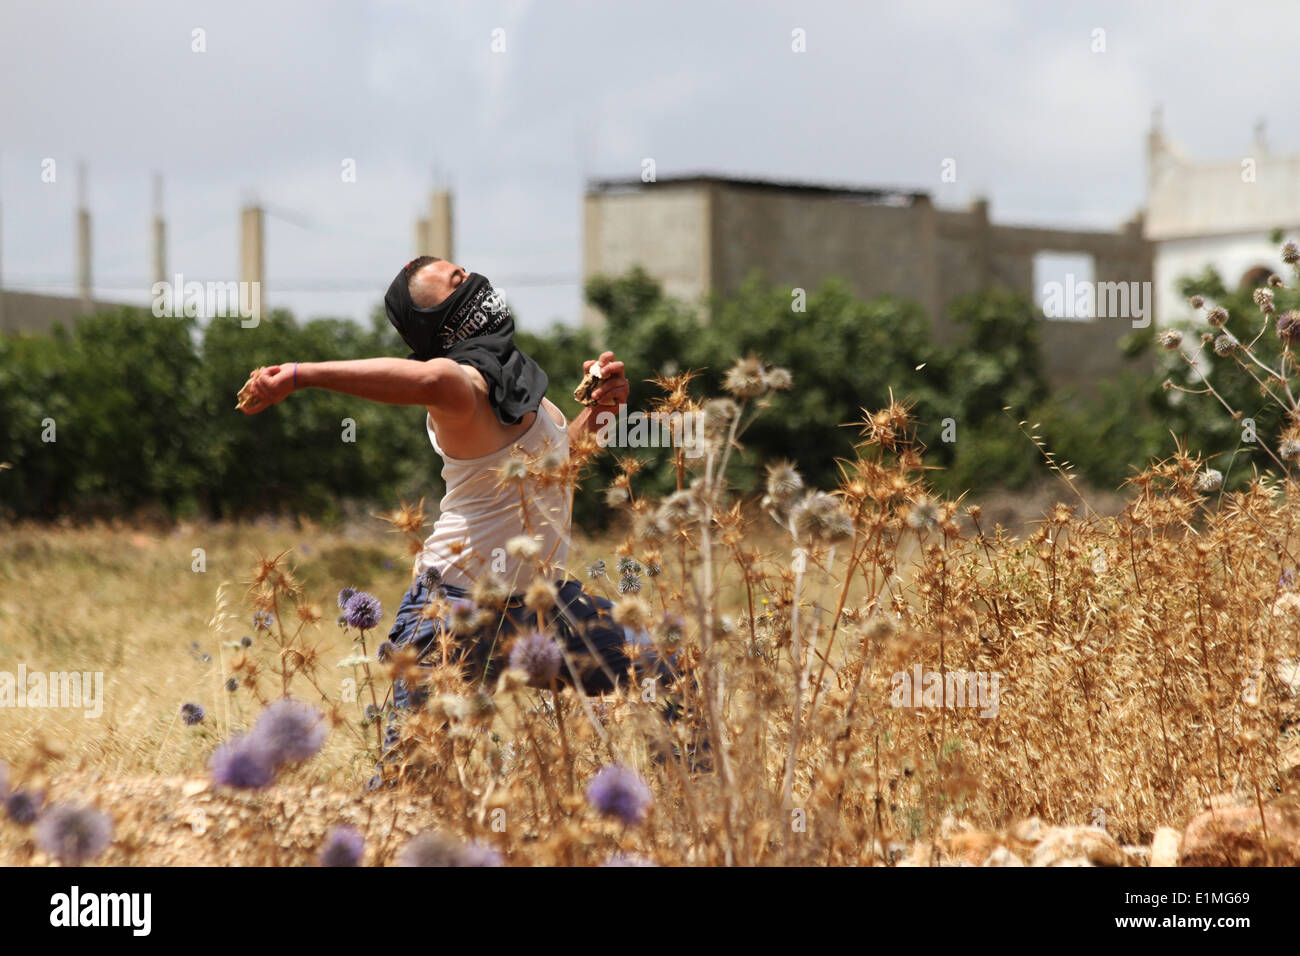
(1291, 253)
(191, 714)
(430, 849)
(242, 763)
(477, 854)
(538, 656)
(245, 641)
(363, 611)
(343, 847)
(73, 834)
(629, 584)
(619, 792)
(262, 621)
(345, 596)
(23, 806)
(385, 650)
(1287, 581)
(628, 859)
(628, 565)
(341, 620)
(290, 731)
(232, 684)
(596, 569)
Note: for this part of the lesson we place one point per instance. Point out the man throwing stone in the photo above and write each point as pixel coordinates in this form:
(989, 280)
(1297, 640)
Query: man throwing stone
(486, 415)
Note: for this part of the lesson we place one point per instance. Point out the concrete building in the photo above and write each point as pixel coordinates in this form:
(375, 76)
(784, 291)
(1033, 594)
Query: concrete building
(33, 312)
(1221, 213)
(701, 235)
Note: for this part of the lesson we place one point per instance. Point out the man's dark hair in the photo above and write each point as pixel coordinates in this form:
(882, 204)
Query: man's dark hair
(416, 264)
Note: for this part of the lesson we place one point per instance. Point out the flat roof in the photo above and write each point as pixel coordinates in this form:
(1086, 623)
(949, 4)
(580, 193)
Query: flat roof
(871, 193)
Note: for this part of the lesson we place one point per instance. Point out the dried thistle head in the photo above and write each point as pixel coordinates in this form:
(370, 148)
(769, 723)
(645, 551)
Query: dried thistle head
(632, 612)
(490, 591)
(676, 392)
(820, 517)
(540, 596)
(746, 379)
(407, 519)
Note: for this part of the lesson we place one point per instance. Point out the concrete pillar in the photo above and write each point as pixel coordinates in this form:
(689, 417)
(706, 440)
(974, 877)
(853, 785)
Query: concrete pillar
(1157, 150)
(929, 283)
(84, 282)
(250, 256)
(159, 233)
(982, 241)
(439, 241)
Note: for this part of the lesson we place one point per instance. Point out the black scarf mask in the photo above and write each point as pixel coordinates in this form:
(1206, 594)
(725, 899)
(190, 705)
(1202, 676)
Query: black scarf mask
(472, 326)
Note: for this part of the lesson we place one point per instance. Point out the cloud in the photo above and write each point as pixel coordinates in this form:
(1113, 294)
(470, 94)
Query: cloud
(1052, 132)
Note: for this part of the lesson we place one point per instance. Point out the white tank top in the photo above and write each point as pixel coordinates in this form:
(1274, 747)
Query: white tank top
(481, 513)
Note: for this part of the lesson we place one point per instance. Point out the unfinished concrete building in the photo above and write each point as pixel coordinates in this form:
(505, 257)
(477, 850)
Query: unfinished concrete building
(1226, 213)
(701, 235)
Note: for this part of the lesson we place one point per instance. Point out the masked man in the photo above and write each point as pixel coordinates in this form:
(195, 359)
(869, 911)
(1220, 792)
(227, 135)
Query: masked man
(487, 416)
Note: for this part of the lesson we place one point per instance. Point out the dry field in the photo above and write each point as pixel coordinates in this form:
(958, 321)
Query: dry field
(867, 676)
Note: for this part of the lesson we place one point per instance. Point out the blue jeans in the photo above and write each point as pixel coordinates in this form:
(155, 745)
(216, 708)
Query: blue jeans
(593, 641)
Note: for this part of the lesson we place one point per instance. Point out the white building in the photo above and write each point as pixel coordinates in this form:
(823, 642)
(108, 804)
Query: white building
(1221, 213)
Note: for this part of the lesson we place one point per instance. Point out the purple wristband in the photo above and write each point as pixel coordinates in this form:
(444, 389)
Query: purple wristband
(295, 376)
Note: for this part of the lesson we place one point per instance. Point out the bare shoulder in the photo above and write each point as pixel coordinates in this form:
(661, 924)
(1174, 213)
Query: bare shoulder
(462, 391)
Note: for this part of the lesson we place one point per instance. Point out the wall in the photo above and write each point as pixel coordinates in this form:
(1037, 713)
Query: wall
(707, 234)
(27, 312)
(666, 231)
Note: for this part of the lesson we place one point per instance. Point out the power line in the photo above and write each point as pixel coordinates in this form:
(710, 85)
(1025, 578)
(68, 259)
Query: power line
(332, 284)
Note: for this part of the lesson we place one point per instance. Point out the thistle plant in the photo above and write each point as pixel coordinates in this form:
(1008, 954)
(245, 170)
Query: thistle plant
(1145, 664)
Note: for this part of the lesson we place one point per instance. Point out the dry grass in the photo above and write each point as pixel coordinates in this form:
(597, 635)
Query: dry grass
(1146, 662)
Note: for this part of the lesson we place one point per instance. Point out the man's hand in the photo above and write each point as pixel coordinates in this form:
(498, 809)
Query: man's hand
(614, 387)
(610, 396)
(266, 387)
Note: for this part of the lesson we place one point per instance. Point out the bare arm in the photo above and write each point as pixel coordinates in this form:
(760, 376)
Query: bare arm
(438, 383)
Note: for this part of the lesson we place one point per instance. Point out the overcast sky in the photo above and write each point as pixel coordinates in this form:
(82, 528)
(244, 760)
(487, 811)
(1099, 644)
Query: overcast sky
(1052, 132)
